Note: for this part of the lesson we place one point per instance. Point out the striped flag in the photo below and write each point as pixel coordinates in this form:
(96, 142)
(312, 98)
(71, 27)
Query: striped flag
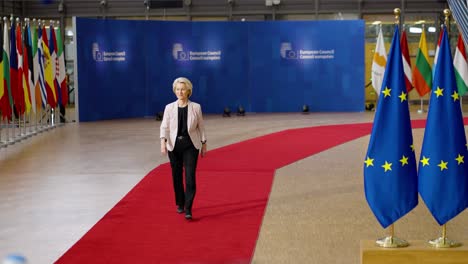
(49, 66)
(378, 63)
(35, 66)
(23, 82)
(5, 106)
(6, 72)
(422, 75)
(461, 67)
(28, 66)
(40, 70)
(16, 84)
(443, 172)
(61, 69)
(55, 66)
(460, 13)
(436, 55)
(390, 178)
(406, 62)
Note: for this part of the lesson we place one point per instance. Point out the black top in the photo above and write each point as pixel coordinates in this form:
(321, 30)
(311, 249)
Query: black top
(182, 118)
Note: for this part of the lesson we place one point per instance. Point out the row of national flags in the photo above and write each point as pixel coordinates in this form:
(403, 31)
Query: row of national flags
(32, 69)
(421, 76)
(392, 175)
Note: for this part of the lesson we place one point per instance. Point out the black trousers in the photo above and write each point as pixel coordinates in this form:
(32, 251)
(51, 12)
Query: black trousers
(184, 156)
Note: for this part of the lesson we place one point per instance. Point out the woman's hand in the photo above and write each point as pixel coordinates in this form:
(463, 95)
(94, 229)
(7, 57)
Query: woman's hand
(163, 147)
(203, 150)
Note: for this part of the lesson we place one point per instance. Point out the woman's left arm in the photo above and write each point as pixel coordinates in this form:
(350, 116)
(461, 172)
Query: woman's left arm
(201, 129)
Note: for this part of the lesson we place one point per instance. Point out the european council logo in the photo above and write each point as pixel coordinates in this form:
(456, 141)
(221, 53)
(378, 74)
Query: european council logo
(97, 55)
(178, 52)
(287, 52)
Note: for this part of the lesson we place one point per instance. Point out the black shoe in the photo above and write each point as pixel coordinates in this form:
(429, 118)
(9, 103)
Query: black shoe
(188, 215)
(180, 209)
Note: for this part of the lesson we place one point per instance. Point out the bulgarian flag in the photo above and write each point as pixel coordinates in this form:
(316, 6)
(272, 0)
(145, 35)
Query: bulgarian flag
(422, 75)
(461, 67)
(406, 62)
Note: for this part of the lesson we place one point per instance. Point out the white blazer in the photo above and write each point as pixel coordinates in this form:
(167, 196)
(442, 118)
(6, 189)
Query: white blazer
(170, 124)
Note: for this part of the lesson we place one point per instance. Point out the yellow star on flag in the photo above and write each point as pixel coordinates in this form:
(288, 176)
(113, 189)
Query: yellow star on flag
(439, 92)
(369, 162)
(412, 148)
(455, 96)
(402, 96)
(443, 165)
(460, 159)
(404, 161)
(386, 92)
(425, 161)
(387, 166)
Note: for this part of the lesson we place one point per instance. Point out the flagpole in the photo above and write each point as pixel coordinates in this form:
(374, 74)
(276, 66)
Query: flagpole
(461, 103)
(443, 241)
(20, 134)
(39, 121)
(48, 115)
(390, 241)
(23, 131)
(36, 123)
(10, 138)
(2, 144)
(421, 110)
(28, 125)
(377, 94)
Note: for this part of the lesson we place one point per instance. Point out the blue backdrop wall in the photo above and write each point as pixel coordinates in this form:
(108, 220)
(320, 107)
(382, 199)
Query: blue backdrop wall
(126, 68)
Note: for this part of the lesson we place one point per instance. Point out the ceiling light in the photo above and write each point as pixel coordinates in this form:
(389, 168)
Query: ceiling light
(415, 30)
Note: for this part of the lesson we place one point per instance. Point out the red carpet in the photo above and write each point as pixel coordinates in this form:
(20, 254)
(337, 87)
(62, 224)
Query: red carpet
(233, 185)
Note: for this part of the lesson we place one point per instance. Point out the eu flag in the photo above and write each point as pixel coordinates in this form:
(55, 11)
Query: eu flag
(443, 182)
(390, 177)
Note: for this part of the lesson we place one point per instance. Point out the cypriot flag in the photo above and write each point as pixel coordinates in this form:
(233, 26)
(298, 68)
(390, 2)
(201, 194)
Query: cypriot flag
(378, 63)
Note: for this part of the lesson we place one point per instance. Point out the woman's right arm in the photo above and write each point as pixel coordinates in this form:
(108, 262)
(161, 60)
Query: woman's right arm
(164, 131)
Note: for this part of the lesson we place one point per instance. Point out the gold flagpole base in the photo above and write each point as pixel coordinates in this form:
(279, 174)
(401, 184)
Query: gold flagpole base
(391, 242)
(443, 242)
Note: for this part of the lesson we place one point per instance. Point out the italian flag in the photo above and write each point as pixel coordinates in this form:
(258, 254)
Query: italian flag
(461, 67)
(422, 75)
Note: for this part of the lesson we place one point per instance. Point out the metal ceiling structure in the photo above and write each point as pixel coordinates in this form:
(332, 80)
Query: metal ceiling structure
(192, 9)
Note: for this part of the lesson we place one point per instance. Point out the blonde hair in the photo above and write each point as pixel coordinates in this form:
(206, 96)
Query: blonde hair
(188, 84)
